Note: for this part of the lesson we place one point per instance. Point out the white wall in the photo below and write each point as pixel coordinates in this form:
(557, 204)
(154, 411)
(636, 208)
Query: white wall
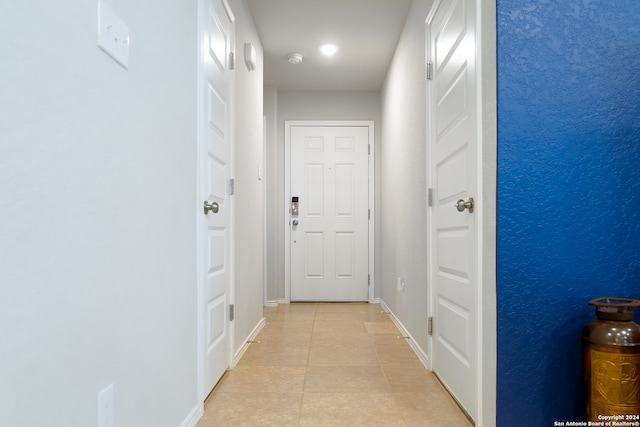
(97, 215)
(404, 173)
(314, 106)
(274, 258)
(248, 199)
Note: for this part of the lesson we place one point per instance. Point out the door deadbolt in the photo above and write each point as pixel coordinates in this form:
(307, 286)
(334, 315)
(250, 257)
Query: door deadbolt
(462, 205)
(211, 207)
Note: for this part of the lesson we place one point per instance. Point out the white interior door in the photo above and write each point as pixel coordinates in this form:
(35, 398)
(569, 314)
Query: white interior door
(453, 117)
(216, 134)
(329, 237)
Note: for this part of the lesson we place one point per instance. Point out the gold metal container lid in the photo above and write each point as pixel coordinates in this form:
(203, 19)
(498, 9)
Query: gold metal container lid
(611, 308)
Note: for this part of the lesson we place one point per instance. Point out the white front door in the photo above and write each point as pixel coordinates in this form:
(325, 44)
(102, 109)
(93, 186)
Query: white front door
(453, 146)
(216, 150)
(329, 236)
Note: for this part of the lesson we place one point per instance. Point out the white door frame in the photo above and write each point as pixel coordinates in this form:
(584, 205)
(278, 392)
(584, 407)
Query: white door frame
(265, 223)
(487, 181)
(486, 305)
(200, 218)
(287, 194)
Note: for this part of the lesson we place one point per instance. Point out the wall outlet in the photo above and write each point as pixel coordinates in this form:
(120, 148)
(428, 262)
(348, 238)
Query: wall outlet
(106, 408)
(400, 284)
(113, 35)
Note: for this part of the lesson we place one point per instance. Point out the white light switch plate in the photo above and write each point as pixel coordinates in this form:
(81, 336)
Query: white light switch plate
(113, 35)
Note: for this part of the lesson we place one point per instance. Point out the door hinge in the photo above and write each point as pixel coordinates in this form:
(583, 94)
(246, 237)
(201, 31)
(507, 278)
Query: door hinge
(430, 197)
(430, 326)
(369, 150)
(232, 186)
(232, 312)
(429, 70)
(232, 61)
(369, 214)
(369, 280)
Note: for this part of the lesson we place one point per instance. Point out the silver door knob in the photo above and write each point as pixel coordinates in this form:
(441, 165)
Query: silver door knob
(211, 207)
(462, 205)
(294, 222)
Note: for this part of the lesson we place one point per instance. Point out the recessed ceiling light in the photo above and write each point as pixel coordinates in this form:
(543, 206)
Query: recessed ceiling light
(329, 49)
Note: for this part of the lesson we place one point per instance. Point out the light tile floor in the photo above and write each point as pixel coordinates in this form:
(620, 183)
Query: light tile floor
(324, 364)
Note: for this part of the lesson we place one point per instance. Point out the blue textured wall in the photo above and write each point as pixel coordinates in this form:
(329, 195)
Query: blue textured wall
(568, 191)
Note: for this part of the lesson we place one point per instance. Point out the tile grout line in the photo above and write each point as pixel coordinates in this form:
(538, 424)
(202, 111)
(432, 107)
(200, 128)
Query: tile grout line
(306, 368)
(396, 407)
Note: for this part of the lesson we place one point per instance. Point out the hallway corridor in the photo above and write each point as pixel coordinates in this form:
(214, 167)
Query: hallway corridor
(330, 364)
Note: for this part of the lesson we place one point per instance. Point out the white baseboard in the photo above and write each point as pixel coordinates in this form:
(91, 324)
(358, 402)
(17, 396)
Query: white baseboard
(283, 301)
(194, 416)
(275, 303)
(412, 342)
(245, 345)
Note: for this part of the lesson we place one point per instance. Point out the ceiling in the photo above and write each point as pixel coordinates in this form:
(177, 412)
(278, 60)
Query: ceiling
(366, 31)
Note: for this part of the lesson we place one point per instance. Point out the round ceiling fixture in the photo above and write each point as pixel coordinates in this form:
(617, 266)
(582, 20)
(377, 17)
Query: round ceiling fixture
(329, 49)
(295, 58)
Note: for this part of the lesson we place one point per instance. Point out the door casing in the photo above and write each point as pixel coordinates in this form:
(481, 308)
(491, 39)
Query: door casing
(287, 195)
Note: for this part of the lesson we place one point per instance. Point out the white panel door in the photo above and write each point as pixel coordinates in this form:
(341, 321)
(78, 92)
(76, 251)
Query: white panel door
(330, 243)
(215, 172)
(453, 165)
